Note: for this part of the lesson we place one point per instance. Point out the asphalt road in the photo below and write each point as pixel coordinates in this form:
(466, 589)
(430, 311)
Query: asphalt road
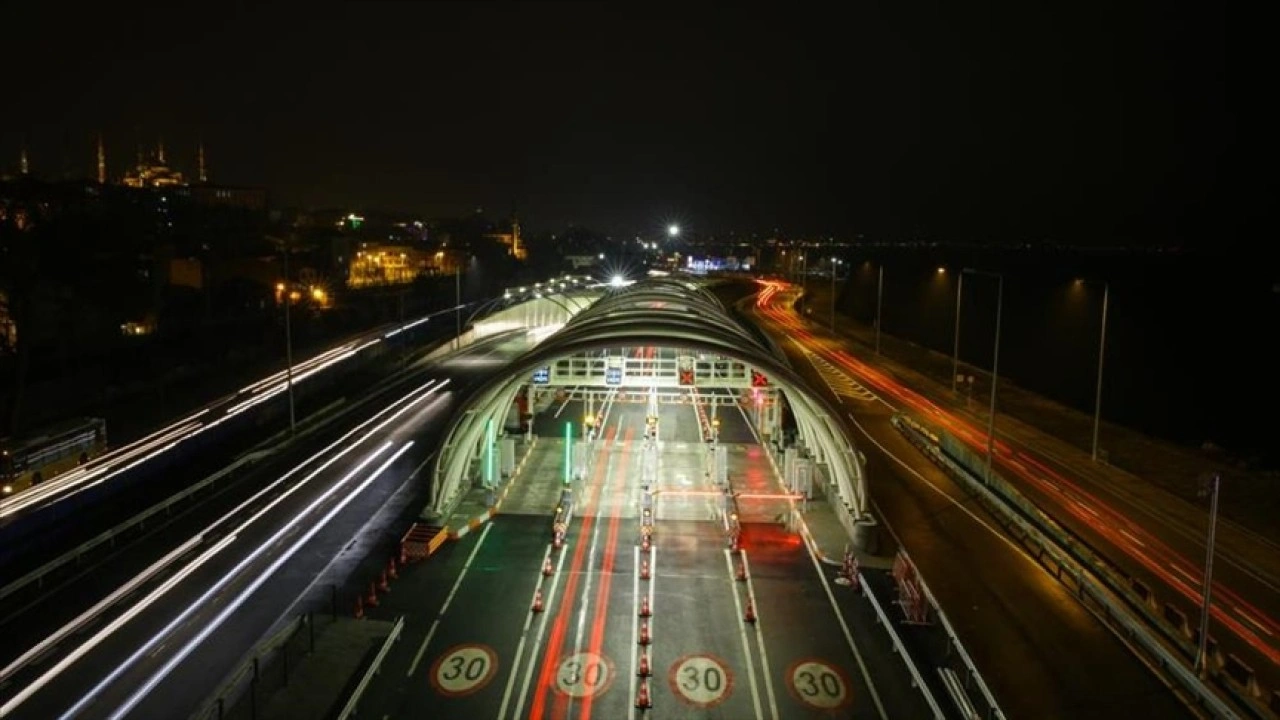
(1150, 536)
(160, 649)
(473, 646)
(1042, 654)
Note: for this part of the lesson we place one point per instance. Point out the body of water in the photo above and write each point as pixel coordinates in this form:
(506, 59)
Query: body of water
(1190, 344)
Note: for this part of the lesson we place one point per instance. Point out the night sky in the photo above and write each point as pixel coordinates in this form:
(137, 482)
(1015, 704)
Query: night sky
(950, 123)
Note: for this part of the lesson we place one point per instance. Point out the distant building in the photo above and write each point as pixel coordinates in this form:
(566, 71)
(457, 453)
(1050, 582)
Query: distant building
(153, 172)
(225, 196)
(380, 265)
(515, 247)
(8, 331)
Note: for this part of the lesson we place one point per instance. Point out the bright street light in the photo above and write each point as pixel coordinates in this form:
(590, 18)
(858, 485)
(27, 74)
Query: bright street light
(618, 281)
(673, 230)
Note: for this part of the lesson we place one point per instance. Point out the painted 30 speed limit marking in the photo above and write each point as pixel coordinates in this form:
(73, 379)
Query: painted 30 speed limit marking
(463, 669)
(818, 684)
(584, 674)
(701, 680)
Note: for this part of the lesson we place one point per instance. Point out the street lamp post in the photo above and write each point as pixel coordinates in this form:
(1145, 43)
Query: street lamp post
(995, 364)
(1201, 666)
(804, 279)
(1102, 347)
(955, 353)
(995, 376)
(457, 304)
(834, 263)
(288, 340)
(879, 303)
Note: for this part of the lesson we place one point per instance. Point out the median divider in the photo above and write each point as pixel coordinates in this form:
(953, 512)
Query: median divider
(1097, 585)
(349, 710)
(900, 650)
(265, 669)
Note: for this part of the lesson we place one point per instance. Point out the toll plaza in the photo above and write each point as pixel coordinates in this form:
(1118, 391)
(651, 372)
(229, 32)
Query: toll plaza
(635, 531)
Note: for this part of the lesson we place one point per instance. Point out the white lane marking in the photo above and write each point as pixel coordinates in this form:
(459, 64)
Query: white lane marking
(1129, 535)
(231, 607)
(567, 399)
(635, 627)
(848, 636)
(764, 655)
(935, 488)
(742, 630)
(1195, 581)
(524, 635)
(417, 658)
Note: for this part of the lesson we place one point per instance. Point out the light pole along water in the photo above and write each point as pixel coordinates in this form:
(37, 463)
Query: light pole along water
(995, 360)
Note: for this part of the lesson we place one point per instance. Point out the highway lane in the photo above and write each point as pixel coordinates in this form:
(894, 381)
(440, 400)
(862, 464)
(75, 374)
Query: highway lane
(27, 619)
(201, 621)
(1153, 547)
(202, 420)
(1042, 654)
(477, 649)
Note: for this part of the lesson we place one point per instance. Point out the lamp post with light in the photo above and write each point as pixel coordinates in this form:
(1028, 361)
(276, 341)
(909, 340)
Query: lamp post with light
(955, 353)
(1102, 348)
(287, 290)
(835, 263)
(995, 360)
(879, 302)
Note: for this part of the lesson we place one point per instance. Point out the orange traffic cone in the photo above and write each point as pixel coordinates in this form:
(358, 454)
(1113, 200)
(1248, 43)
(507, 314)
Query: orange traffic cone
(750, 614)
(359, 613)
(546, 568)
(537, 601)
(404, 555)
(644, 569)
(382, 582)
(645, 639)
(559, 541)
(645, 544)
(643, 670)
(742, 572)
(392, 572)
(372, 598)
(644, 606)
(642, 697)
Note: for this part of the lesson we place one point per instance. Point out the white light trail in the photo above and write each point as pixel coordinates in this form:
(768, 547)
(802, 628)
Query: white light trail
(405, 402)
(139, 694)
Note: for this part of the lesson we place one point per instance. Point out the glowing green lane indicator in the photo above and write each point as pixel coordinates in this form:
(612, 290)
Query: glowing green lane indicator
(488, 455)
(568, 444)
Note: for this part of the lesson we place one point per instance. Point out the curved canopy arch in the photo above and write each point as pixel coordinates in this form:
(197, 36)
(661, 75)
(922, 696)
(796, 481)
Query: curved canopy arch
(668, 313)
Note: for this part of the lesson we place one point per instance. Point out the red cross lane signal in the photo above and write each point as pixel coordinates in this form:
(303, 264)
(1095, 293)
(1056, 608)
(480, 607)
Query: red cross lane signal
(686, 377)
(758, 379)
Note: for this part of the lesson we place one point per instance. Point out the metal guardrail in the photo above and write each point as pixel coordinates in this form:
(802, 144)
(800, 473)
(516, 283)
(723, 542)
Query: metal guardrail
(215, 706)
(900, 649)
(349, 710)
(265, 449)
(1121, 619)
(37, 575)
(969, 665)
(312, 423)
(955, 689)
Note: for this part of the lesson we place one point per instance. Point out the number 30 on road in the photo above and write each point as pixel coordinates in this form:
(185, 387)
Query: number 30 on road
(818, 684)
(701, 680)
(463, 669)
